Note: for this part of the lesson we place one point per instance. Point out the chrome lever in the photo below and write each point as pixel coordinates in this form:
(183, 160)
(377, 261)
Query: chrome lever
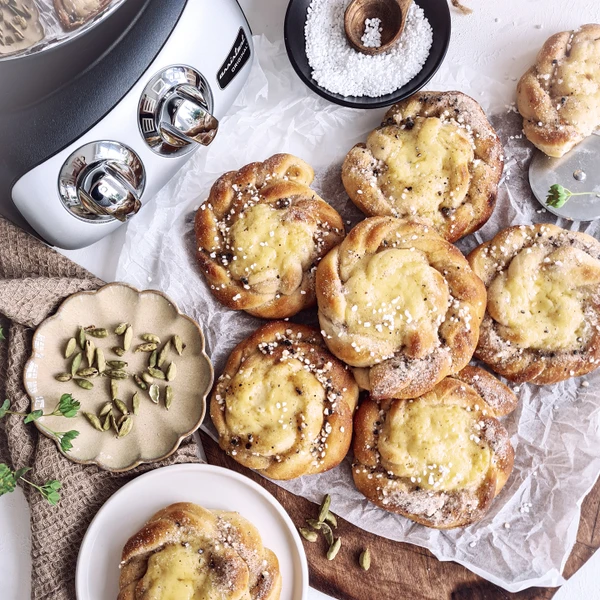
(186, 119)
(103, 190)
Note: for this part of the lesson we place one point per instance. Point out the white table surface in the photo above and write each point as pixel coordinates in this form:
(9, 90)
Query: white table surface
(499, 39)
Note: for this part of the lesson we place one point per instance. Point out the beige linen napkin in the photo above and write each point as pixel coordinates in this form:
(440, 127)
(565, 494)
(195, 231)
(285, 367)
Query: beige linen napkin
(34, 280)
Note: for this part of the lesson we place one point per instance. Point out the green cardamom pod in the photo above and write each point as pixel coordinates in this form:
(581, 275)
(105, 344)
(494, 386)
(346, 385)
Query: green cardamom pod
(168, 397)
(140, 383)
(364, 560)
(94, 420)
(334, 549)
(84, 383)
(308, 535)
(71, 346)
(135, 402)
(100, 360)
(179, 345)
(151, 337)
(63, 377)
(172, 372)
(121, 328)
(98, 332)
(156, 373)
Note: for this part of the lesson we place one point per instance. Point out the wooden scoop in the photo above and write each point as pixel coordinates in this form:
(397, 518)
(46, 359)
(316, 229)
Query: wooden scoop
(393, 17)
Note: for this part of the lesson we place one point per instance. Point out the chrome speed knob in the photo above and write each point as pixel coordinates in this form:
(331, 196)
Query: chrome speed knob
(102, 181)
(175, 112)
(185, 118)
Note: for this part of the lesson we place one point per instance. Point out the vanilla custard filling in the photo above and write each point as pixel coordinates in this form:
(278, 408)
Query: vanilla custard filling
(427, 166)
(266, 245)
(276, 403)
(182, 572)
(437, 446)
(536, 303)
(393, 294)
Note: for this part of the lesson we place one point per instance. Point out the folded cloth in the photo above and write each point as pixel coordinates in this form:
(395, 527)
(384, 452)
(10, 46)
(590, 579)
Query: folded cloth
(34, 280)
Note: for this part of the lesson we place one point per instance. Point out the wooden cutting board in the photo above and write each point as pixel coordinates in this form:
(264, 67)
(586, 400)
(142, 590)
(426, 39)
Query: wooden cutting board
(402, 571)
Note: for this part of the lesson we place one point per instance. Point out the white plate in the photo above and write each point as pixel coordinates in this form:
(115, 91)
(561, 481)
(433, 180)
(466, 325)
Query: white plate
(126, 511)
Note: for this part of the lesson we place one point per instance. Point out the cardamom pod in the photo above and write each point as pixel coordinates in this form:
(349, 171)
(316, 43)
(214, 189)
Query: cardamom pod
(151, 337)
(314, 523)
(114, 389)
(117, 364)
(106, 408)
(98, 332)
(82, 338)
(121, 406)
(116, 374)
(87, 372)
(128, 338)
(94, 420)
(76, 363)
(147, 347)
(153, 358)
(114, 424)
(168, 397)
(327, 533)
(90, 352)
(126, 427)
(307, 534)
(141, 384)
(100, 360)
(334, 549)
(63, 377)
(162, 355)
(118, 350)
(364, 560)
(330, 518)
(71, 345)
(179, 345)
(324, 507)
(135, 402)
(154, 393)
(156, 373)
(106, 424)
(121, 328)
(172, 372)
(84, 383)
(147, 378)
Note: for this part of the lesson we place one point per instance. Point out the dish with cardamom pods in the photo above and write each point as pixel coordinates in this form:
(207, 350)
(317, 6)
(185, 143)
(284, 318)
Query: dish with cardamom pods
(136, 365)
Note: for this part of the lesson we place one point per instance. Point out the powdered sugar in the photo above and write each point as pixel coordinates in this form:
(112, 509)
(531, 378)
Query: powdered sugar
(340, 69)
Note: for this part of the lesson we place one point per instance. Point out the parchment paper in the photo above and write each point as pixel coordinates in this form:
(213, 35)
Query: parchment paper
(527, 536)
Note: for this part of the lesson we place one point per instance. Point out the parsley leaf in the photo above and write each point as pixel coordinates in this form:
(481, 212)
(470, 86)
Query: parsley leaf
(66, 438)
(67, 407)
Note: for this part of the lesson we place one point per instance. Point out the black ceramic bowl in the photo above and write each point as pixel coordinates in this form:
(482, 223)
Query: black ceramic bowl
(436, 11)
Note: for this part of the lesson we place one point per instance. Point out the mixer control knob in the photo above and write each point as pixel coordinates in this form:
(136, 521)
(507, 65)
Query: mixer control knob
(175, 112)
(102, 181)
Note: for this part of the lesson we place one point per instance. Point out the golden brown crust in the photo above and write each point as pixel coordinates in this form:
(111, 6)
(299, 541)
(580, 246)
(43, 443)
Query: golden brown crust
(417, 354)
(423, 498)
(453, 217)
(75, 13)
(225, 548)
(540, 277)
(282, 184)
(559, 96)
(305, 395)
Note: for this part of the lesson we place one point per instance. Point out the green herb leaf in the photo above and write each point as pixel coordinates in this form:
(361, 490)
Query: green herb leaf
(67, 406)
(4, 408)
(7, 480)
(66, 438)
(20, 472)
(557, 196)
(34, 416)
(50, 492)
(2, 338)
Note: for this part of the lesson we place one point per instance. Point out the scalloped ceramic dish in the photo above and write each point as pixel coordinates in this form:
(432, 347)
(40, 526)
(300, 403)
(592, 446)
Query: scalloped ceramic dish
(157, 432)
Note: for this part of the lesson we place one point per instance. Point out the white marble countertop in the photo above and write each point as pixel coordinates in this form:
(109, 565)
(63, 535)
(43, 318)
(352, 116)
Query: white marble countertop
(500, 40)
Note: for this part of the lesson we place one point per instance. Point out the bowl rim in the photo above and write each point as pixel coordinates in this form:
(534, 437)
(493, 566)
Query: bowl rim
(204, 396)
(359, 101)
